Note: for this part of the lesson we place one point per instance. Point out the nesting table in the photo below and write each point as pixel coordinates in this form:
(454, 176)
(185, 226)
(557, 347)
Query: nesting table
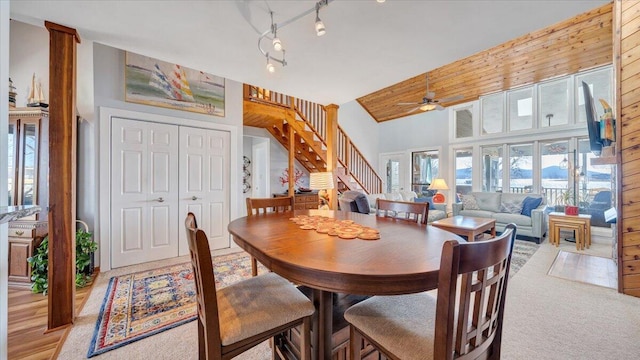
(581, 224)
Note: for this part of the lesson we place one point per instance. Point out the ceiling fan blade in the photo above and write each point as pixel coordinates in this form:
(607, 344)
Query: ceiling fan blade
(439, 107)
(414, 109)
(451, 98)
(413, 103)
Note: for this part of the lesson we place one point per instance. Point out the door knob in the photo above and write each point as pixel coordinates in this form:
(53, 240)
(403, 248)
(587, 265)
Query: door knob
(194, 198)
(160, 199)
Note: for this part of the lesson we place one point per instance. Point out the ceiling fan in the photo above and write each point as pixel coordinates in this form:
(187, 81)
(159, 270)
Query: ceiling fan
(429, 102)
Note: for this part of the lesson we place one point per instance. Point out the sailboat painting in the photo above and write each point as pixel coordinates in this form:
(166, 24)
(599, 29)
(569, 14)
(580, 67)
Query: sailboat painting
(158, 83)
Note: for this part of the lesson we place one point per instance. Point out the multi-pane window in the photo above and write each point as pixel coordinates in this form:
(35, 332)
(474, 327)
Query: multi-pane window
(521, 168)
(424, 168)
(553, 98)
(464, 171)
(520, 104)
(492, 168)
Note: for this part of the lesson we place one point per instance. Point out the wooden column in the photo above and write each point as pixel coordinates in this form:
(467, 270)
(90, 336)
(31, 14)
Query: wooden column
(332, 149)
(62, 174)
(626, 48)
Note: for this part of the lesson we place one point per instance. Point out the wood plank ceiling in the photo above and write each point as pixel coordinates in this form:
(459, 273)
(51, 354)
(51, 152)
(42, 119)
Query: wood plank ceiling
(579, 43)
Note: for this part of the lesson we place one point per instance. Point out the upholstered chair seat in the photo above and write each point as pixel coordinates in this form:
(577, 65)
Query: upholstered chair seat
(243, 315)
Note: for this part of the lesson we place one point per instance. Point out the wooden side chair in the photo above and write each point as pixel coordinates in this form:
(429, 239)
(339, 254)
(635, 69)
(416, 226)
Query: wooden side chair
(256, 206)
(238, 317)
(464, 322)
(411, 211)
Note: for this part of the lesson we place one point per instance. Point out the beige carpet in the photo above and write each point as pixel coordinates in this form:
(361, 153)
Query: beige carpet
(546, 318)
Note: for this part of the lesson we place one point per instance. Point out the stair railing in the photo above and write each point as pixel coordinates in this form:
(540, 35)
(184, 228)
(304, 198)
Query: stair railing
(315, 116)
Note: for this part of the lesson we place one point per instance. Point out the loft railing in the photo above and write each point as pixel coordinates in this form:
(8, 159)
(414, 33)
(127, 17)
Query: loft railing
(315, 116)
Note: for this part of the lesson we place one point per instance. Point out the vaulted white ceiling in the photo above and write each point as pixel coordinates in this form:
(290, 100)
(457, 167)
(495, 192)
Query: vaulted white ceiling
(368, 45)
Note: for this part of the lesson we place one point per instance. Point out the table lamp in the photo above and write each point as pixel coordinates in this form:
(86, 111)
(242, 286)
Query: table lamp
(438, 184)
(321, 181)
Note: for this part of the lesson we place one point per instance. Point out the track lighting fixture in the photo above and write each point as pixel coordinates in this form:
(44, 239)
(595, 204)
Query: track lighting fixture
(272, 34)
(320, 29)
(270, 68)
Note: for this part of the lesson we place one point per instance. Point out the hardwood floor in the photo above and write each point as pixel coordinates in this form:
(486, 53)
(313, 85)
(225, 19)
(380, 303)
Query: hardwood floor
(585, 268)
(27, 323)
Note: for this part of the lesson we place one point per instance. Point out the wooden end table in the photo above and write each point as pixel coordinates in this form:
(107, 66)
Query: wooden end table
(471, 227)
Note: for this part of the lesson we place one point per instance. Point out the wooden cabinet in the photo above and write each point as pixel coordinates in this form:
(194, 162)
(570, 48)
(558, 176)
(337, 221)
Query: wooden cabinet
(305, 201)
(28, 162)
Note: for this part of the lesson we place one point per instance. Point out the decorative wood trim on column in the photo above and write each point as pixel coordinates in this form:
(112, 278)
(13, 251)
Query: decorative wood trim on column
(332, 148)
(62, 174)
(292, 159)
(617, 25)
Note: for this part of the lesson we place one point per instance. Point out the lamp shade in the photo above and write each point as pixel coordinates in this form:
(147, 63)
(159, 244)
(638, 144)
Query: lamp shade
(438, 184)
(321, 180)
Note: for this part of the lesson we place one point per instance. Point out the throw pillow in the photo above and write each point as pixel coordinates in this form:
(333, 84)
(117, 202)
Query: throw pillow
(511, 207)
(529, 203)
(469, 202)
(428, 199)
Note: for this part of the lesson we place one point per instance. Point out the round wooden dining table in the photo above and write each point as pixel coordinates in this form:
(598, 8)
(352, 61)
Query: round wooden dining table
(406, 259)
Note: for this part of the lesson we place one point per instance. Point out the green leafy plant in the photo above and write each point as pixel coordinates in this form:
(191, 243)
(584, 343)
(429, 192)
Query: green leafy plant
(39, 262)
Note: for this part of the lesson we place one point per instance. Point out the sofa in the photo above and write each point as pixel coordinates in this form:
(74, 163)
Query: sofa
(436, 211)
(507, 208)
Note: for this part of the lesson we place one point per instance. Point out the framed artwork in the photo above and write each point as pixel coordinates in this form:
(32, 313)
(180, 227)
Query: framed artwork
(158, 83)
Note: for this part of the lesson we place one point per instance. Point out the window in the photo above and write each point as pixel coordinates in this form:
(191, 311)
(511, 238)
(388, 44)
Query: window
(554, 174)
(463, 121)
(492, 168)
(464, 173)
(553, 98)
(424, 167)
(520, 109)
(600, 83)
(521, 168)
(492, 113)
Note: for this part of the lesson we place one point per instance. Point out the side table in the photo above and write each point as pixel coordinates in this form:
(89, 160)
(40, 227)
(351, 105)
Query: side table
(580, 223)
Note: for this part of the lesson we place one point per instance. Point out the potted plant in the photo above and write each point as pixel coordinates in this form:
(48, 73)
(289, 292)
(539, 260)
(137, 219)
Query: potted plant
(568, 199)
(39, 262)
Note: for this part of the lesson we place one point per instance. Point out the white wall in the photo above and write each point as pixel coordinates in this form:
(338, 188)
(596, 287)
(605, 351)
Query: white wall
(362, 129)
(29, 54)
(4, 128)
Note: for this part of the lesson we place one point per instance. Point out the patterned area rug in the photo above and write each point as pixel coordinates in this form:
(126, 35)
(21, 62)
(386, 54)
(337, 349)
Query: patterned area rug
(522, 251)
(142, 304)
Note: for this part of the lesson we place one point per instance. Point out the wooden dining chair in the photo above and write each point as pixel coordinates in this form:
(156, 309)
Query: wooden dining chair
(238, 317)
(256, 206)
(464, 322)
(411, 211)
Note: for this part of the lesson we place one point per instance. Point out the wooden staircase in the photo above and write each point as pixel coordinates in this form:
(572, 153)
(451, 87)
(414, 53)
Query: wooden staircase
(301, 126)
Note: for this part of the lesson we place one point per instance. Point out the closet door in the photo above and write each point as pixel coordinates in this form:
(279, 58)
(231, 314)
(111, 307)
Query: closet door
(144, 192)
(204, 183)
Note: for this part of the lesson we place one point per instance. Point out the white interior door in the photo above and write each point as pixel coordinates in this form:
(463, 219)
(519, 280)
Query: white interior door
(204, 183)
(144, 191)
(260, 168)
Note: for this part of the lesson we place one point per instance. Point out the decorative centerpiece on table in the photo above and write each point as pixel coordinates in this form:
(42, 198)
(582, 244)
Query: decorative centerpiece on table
(344, 229)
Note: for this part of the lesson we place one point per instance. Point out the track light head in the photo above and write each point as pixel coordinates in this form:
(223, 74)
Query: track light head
(320, 29)
(277, 44)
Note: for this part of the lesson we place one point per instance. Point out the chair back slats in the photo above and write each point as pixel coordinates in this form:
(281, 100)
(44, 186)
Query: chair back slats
(483, 268)
(257, 206)
(208, 319)
(410, 211)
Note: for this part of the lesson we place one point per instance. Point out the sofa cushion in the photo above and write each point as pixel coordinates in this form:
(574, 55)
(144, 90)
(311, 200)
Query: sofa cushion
(519, 220)
(511, 204)
(436, 215)
(477, 213)
(360, 200)
(469, 202)
(372, 200)
(488, 201)
(394, 196)
(408, 195)
(529, 203)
